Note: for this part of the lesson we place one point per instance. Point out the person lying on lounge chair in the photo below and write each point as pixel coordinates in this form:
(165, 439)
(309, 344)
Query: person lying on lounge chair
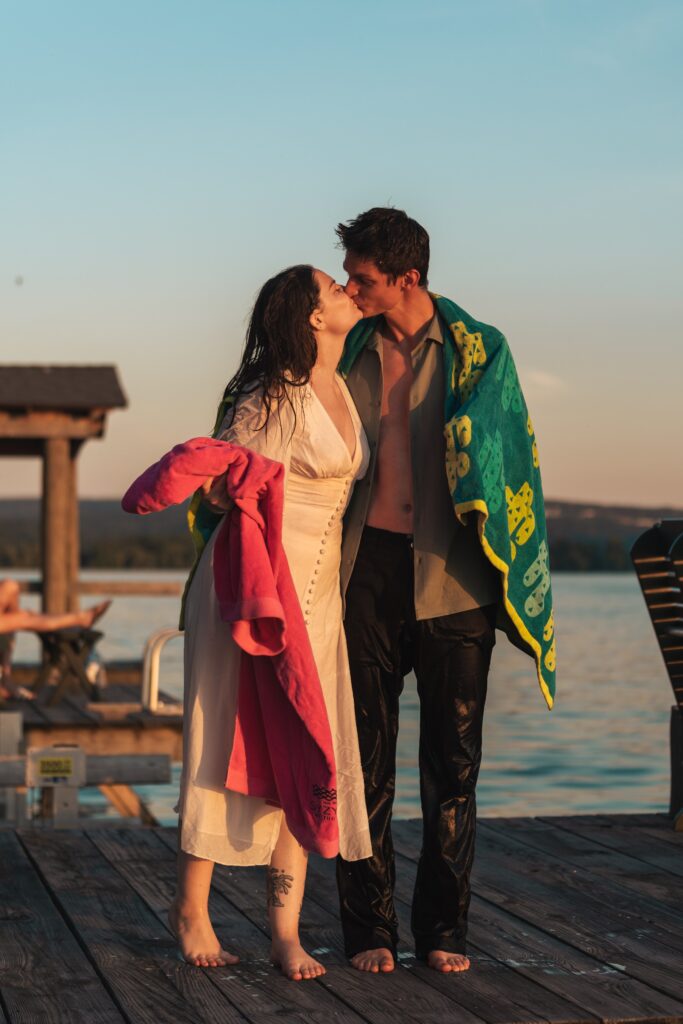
(13, 619)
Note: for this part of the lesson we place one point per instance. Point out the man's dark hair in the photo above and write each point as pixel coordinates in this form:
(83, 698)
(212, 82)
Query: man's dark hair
(391, 239)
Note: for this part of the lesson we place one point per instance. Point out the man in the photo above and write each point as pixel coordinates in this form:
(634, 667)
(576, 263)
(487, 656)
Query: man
(422, 581)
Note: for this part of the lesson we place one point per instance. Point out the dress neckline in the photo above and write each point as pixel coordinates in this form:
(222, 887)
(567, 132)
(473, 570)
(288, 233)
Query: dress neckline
(352, 414)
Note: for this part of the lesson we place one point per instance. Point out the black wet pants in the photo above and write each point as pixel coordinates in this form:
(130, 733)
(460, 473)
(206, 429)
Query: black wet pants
(451, 656)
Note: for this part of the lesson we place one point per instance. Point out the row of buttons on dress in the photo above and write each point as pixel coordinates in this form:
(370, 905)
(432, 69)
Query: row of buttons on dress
(316, 572)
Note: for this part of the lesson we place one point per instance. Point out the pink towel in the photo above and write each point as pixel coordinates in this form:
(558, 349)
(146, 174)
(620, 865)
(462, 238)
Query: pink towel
(282, 749)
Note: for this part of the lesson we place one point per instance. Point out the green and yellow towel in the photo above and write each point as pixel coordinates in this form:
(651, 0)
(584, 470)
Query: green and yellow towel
(492, 468)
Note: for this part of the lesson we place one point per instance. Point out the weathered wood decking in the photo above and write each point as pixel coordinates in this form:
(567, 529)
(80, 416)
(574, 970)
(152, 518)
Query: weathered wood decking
(573, 919)
(116, 725)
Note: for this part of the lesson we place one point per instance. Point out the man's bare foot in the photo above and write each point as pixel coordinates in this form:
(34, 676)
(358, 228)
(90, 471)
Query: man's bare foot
(444, 962)
(197, 941)
(293, 960)
(89, 618)
(375, 961)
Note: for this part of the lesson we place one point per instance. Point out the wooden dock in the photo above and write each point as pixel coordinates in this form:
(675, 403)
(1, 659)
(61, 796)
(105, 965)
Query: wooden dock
(118, 724)
(574, 919)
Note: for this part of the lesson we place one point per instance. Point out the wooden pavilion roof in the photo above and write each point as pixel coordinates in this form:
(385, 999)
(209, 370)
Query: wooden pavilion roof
(60, 388)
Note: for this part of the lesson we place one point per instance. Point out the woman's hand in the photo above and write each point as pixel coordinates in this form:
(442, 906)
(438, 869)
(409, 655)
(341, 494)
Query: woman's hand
(215, 494)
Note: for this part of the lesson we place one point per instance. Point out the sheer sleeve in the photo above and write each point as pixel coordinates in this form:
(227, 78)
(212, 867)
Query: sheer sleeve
(248, 427)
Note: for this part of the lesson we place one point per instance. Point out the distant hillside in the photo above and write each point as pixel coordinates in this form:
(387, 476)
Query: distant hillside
(594, 522)
(582, 537)
(110, 537)
(585, 538)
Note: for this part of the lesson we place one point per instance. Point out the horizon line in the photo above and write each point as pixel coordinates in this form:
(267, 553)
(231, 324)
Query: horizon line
(548, 500)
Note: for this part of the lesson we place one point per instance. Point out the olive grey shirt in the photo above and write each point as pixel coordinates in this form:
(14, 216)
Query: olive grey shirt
(452, 574)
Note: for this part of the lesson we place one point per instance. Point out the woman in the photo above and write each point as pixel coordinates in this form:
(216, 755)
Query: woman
(292, 407)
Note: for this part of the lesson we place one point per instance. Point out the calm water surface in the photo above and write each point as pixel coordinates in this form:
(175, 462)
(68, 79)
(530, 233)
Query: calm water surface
(604, 747)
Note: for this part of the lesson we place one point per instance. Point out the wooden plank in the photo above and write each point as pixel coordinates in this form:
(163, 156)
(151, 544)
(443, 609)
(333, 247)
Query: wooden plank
(658, 826)
(152, 720)
(66, 712)
(127, 691)
(597, 988)
(128, 803)
(604, 922)
(150, 588)
(118, 701)
(108, 710)
(663, 926)
(403, 994)
(254, 986)
(131, 950)
(49, 426)
(617, 867)
(640, 820)
(144, 588)
(170, 713)
(121, 692)
(127, 673)
(45, 978)
(136, 769)
(112, 738)
(71, 701)
(30, 714)
(491, 989)
(643, 845)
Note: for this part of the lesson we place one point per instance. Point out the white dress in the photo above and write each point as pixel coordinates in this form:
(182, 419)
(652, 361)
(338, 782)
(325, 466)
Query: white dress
(218, 824)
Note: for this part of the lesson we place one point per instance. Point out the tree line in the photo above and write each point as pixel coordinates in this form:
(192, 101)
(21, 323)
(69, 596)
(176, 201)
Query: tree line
(153, 552)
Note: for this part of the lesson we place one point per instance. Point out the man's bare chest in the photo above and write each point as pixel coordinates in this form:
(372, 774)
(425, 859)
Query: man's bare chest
(397, 380)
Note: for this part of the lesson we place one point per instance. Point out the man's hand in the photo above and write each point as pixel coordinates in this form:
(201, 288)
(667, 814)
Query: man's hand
(215, 494)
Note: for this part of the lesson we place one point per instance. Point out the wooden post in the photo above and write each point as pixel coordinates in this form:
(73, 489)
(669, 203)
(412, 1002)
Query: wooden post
(74, 540)
(12, 801)
(56, 506)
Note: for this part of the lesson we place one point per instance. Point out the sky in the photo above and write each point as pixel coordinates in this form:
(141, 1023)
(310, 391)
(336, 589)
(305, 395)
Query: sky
(160, 160)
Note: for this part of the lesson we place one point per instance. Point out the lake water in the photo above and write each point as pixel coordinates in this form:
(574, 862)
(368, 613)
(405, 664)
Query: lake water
(603, 748)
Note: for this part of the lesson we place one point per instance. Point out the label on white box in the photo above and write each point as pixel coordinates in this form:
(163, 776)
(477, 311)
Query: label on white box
(55, 766)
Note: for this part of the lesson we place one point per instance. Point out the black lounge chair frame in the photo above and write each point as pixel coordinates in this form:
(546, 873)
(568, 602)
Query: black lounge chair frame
(657, 557)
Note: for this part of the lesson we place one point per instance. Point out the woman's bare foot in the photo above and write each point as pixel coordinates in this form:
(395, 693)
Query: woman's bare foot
(293, 960)
(376, 961)
(89, 618)
(197, 941)
(444, 962)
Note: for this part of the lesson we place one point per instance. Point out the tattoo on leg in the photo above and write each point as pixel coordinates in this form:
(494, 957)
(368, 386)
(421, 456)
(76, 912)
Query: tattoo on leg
(277, 884)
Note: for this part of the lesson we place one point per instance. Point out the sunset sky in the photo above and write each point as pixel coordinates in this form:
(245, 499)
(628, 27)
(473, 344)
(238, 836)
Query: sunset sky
(160, 160)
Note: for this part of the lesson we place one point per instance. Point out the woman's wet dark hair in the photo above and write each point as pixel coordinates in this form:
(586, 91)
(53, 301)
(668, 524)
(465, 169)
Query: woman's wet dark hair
(280, 347)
